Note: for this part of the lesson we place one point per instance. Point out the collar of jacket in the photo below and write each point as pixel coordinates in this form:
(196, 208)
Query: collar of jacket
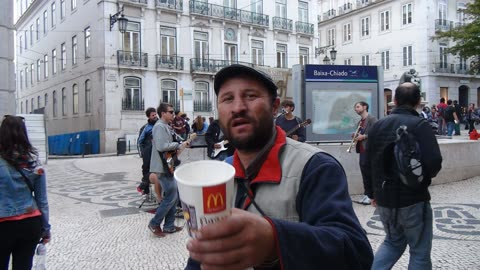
(270, 171)
(405, 109)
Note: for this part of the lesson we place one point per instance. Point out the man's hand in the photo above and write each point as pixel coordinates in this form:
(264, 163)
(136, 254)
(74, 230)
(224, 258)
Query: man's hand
(217, 146)
(239, 241)
(360, 138)
(373, 202)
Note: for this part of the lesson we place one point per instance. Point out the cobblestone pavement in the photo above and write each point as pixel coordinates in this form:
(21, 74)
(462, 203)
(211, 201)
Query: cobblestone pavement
(96, 222)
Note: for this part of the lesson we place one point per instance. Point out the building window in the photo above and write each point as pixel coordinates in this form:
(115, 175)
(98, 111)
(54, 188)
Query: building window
(201, 48)
(169, 92)
(45, 66)
(443, 55)
(26, 77)
(88, 48)
(31, 34)
(45, 22)
(257, 6)
(386, 60)
(407, 56)
(20, 41)
(64, 56)
(347, 61)
(38, 70)
(385, 21)
(38, 28)
(74, 4)
(26, 40)
(26, 106)
(132, 94)
(32, 70)
(62, 9)
(45, 101)
(168, 42)
(54, 16)
(331, 37)
(88, 96)
(257, 52)
(365, 60)
(281, 56)
(303, 52)
(39, 101)
(281, 8)
(54, 61)
(74, 50)
(75, 98)
(365, 22)
(407, 14)
(131, 43)
(201, 102)
(303, 11)
(230, 53)
(64, 101)
(21, 106)
(442, 10)
(32, 106)
(347, 32)
(54, 104)
(21, 79)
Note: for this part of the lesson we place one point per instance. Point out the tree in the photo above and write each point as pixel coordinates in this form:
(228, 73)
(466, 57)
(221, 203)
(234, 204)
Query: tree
(466, 37)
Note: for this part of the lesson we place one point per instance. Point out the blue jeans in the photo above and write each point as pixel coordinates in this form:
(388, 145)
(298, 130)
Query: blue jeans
(413, 227)
(450, 128)
(166, 209)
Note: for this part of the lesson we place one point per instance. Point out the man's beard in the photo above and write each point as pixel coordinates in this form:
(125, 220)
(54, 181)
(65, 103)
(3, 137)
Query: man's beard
(262, 132)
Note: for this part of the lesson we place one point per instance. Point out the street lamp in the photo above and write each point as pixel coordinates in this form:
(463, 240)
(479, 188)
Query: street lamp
(333, 55)
(122, 21)
(326, 60)
(324, 50)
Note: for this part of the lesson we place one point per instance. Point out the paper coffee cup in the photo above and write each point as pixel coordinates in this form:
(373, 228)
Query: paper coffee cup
(206, 192)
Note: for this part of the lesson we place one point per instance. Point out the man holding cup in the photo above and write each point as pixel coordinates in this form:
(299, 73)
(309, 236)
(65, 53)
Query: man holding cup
(292, 208)
(163, 142)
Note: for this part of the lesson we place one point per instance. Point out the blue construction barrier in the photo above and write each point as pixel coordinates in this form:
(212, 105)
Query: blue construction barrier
(75, 143)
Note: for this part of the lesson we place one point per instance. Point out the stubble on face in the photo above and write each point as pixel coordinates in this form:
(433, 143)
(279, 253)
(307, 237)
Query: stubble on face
(247, 102)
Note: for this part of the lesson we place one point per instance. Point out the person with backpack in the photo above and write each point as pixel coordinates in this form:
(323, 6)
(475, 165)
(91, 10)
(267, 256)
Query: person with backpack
(289, 121)
(404, 209)
(145, 146)
(440, 116)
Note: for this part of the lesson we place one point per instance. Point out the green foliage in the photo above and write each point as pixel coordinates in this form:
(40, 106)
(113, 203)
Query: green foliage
(466, 37)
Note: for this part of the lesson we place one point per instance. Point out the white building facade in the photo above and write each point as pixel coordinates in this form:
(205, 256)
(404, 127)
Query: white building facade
(396, 34)
(7, 53)
(86, 75)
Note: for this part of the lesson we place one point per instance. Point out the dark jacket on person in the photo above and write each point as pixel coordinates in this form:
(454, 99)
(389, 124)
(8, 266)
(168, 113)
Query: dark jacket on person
(388, 190)
(213, 136)
(369, 121)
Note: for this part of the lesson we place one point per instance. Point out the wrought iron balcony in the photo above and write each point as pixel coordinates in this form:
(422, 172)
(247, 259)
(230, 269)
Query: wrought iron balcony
(462, 69)
(169, 61)
(282, 24)
(174, 102)
(134, 59)
(212, 65)
(329, 14)
(141, 2)
(459, 24)
(228, 13)
(303, 27)
(347, 7)
(129, 104)
(202, 106)
(444, 67)
(363, 3)
(176, 5)
(443, 25)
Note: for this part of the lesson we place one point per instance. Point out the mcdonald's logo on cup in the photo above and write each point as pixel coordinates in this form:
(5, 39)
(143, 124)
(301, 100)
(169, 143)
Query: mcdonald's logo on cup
(214, 199)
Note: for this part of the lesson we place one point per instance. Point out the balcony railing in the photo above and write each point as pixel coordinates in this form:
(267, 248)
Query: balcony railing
(443, 25)
(444, 67)
(459, 24)
(174, 102)
(303, 27)
(169, 62)
(212, 65)
(129, 104)
(170, 4)
(282, 24)
(329, 14)
(143, 2)
(228, 13)
(363, 3)
(462, 69)
(134, 59)
(202, 106)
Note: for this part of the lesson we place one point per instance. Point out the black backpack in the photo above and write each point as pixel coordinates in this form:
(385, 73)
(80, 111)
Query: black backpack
(408, 159)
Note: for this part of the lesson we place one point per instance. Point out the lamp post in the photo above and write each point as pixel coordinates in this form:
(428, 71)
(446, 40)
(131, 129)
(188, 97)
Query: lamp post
(324, 50)
(122, 21)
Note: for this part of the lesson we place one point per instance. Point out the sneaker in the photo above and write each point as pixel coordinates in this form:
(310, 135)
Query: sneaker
(365, 200)
(179, 213)
(156, 230)
(174, 230)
